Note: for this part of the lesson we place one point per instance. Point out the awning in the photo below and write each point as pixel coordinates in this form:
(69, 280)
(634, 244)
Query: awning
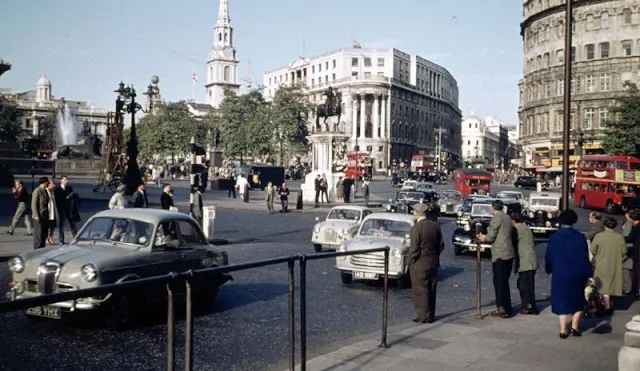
(555, 169)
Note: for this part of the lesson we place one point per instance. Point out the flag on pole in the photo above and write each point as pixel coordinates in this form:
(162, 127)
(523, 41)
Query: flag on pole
(356, 45)
(195, 78)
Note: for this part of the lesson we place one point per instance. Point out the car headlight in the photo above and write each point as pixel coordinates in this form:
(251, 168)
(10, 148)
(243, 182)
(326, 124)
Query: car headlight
(549, 215)
(316, 229)
(16, 264)
(388, 207)
(89, 272)
(547, 224)
(342, 247)
(345, 231)
(459, 213)
(467, 227)
(531, 214)
(396, 253)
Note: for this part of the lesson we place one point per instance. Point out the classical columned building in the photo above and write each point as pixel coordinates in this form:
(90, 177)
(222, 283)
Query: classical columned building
(393, 103)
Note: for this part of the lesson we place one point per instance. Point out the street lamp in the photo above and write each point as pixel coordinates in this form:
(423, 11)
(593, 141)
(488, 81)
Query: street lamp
(126, 103)
(566, 184)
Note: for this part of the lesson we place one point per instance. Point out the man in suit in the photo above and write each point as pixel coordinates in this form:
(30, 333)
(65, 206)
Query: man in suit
(595, 225)
(499, 235)
(166, 199)
(318, 188)
(63, 194)
(139, 198)
(197, 211)
(40, 212)
(426, 244)
(526, 264)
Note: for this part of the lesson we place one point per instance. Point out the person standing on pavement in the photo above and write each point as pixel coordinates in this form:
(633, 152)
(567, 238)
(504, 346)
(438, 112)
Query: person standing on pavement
(54, 216)
(166, 199)
(317, 186)
(198, 207)
(595, 225)
(139, 198)
(242, 184)
(426, 245)
(232, 187)
(627, 262)
(40, 212)
(347, 184)
(284, 197)
(366, 192)
(324, 187)
(67, 206)
(269, 196)
(608, 249)
(526, 264)
(340, 190)
(117, 200)
(499, 235)
(23, 210)
(634, 252)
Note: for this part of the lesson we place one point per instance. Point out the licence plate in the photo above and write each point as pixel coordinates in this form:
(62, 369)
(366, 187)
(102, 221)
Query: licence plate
(365, 275)
(44, 311)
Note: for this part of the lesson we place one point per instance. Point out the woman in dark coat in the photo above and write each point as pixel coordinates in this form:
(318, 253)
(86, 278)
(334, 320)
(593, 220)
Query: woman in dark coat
(567, 262)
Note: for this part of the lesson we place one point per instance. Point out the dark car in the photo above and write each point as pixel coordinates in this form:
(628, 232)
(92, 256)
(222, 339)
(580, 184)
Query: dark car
(465, 208)
(525, 182)
(464, 237)
(405, 200)
(543, 210)
(397, 179)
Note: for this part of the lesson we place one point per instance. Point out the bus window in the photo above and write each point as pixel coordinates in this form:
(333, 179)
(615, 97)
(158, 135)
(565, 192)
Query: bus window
(622, 165)
(635, 166)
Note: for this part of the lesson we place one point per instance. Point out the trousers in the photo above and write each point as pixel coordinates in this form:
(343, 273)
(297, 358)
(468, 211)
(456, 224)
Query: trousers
(40, 234)
(21, 212)
(72, 226)
(501, 272)
(424, 282)
(527, 287)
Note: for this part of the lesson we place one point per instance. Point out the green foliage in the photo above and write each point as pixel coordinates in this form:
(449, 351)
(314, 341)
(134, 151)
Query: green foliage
(47, 127)
(9, 120)
(623, 129)
(288, 122)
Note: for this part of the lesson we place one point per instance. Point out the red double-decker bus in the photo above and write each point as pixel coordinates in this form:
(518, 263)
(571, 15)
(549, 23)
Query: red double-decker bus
(358, 165)
(606, 182)
(422, 163)
(468, 181)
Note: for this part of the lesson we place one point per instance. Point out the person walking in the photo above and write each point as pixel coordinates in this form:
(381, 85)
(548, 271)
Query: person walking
(608, 249)
(117, 200)
(284, 197)
(54, 215)
(426, 245)
(67, 206)
(366, 192)
(166, 199)
(499, 235)
(627, 261)
(526, 264)
(567, 262)
(269, 195)
(40, 211)
(23, 210)
(139, 198)
(232, 187)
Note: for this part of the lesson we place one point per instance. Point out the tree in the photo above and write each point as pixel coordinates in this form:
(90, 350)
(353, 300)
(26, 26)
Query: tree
(288, 122)
(623, 129)
(168, 132)
(47, 130)
(10, 116)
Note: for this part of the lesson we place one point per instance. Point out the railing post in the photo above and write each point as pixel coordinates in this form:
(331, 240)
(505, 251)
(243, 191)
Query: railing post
(188, 325)
(303, 312)
(385, 299)
(171, 325)
(292, 322)
(478, 275)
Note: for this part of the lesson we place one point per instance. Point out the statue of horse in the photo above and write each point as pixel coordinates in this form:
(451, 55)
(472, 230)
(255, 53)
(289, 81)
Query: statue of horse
(332, 107)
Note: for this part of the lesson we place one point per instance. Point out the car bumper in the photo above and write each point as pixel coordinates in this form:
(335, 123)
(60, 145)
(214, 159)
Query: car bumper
(378, 272)
(69, 306)
(470, 246)
(542, 230)
(371, 264)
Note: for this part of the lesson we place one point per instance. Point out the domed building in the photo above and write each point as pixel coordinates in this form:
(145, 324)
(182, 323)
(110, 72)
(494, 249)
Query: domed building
(606, 53)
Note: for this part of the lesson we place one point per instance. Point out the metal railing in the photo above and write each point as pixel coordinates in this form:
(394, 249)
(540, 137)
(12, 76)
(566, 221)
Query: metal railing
(171, 279)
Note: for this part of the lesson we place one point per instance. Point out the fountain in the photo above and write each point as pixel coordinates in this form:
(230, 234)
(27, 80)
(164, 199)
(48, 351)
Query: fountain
(66, 127)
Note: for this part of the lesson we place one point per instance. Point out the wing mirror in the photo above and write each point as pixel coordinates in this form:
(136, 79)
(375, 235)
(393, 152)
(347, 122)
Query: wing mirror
(317, 219)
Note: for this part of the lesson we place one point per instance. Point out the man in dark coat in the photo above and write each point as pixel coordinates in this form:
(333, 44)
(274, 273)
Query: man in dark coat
(139, 198)
(166, 200)
(67, 207)
(40, 212)
(284, 197)
(424, 261)
(347, 183)
(318, 188)
(633, 253)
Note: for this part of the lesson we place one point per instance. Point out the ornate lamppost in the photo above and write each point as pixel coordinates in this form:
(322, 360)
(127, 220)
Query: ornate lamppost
(126, 103)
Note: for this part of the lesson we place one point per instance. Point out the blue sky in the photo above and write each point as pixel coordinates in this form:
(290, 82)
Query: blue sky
(87, 47)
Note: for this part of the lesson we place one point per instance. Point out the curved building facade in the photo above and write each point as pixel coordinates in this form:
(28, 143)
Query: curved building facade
(605, 54)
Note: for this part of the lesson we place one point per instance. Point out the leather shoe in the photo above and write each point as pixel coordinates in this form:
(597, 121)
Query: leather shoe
(418, 320)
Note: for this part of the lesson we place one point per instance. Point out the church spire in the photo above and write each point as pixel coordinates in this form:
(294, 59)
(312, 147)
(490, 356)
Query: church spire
(222, 64)
(223, 14)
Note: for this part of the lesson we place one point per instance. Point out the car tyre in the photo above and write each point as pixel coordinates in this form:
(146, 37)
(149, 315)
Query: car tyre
(317, 247)
(122, 311)
(583, 202)
(346, 278)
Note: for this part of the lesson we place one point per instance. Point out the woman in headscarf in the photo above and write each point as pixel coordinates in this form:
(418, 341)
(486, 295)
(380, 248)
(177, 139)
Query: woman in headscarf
(608, 248)
(567, 262)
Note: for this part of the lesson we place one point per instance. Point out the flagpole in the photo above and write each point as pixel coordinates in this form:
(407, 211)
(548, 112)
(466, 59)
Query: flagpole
(193, 91)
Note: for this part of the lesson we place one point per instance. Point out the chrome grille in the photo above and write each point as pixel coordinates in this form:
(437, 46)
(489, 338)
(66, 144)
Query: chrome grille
(32, 286)
(47, 276)
(330, 235)
(372, 260)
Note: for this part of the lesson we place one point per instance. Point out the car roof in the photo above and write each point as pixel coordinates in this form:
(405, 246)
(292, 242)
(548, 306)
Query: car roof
(451, 191)
(152, 216)
(546, 194)
(491, 200)
(512, 192)
(350, 207)
(391, 216)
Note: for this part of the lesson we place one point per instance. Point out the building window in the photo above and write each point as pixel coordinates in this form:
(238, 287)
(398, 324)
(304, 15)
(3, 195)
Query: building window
(313, 82)
(227, 73)
(546, 60)
(560, 90)
(591, 51)
(626, 48)
(572, 120)
(588, 117)
(559, 121)
(605, 82)
(604, 20)
(367, 62)
(326, 65)
(319, 67)
(604, 116)
(313, 69)
(469, 142)
(604, 50)
(626, 14)
(354, 62)
(573, 53)
(380, 62)
(334, 63)
(590, 84)
(354, 74)
(367, 75)
(560, 56)
(333, 76)
(380, 73)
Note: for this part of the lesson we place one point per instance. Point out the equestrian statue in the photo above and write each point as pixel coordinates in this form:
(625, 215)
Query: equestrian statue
(331, 107)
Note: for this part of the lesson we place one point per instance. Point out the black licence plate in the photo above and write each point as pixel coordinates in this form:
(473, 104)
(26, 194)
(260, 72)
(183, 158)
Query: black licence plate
(45, 311)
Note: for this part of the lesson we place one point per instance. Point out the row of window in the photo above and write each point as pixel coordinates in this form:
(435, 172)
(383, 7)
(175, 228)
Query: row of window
(592, 118)
(589, 52)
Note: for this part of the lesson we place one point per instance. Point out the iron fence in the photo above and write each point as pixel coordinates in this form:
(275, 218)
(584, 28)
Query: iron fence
(171, 279)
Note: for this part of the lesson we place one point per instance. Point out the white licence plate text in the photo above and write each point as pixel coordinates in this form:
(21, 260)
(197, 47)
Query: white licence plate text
(44, 311)
(365, 275)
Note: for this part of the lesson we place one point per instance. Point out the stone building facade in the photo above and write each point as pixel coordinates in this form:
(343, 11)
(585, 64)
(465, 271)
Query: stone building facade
(605, 54)
(392, 102)
(486, 143)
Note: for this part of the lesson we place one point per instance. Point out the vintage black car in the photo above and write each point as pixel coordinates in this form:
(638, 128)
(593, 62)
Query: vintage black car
(462, 216)
(405, 200)
(525, 182)
(397, 179)
(542, 212)
(464, 237)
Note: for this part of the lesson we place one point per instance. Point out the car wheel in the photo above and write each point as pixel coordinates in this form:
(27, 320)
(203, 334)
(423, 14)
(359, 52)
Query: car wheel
(457, 250)
(583, 202)
(404, 282)
(122, 311)
(317, 247)
(346, 278)
(610, 208)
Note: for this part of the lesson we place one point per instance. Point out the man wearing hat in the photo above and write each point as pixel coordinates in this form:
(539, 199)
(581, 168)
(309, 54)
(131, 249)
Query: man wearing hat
(424, 260)
(499, 235)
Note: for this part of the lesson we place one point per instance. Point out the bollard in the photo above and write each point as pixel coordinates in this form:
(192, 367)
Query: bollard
(478, 274)
(629, 355)
(245, 196)
(299, 203)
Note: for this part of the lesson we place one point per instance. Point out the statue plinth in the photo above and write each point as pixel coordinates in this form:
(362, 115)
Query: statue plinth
(328, 159)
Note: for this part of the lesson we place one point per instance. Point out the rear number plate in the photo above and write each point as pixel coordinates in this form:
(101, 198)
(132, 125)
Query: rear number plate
(365, 275)
(44, 311)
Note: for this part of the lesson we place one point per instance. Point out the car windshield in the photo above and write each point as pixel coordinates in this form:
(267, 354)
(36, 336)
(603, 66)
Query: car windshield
(385, 228)
(511, 196)
(120, 230)
(349, 214)
(481, 210)
(410, 196)
(544, 202)
(428, 186)
(451, 196)
(477, 182)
